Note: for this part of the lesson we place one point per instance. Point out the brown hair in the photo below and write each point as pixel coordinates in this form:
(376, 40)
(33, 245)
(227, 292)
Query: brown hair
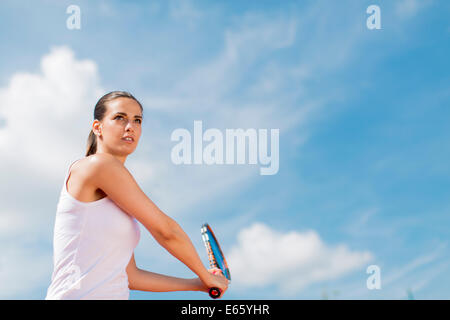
(99, 113)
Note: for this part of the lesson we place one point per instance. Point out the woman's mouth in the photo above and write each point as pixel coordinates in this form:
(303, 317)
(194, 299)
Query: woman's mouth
(128, 139)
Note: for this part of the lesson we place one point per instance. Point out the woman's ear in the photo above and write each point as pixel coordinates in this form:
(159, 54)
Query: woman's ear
(96, 128)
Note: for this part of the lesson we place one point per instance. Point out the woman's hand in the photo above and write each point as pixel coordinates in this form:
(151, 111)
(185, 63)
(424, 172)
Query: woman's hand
(215, 279)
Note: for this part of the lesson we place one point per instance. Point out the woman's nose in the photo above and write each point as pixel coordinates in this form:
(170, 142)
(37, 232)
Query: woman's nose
(130, 125)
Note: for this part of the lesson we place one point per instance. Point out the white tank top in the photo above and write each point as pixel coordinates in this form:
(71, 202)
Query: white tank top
(92, 245)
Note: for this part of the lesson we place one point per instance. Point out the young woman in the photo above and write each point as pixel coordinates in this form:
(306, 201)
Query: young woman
(96, 228)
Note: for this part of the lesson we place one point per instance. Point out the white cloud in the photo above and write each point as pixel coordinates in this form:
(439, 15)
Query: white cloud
(289, 261)
(47, 114)
(13, 223)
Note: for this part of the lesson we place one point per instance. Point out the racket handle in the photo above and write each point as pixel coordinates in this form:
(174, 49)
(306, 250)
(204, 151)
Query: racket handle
(214, 292)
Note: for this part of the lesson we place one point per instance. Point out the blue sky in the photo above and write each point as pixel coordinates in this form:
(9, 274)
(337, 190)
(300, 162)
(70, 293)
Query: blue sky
(364, 142)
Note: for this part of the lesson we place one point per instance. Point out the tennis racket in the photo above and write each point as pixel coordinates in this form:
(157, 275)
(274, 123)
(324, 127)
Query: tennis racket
(215, 257)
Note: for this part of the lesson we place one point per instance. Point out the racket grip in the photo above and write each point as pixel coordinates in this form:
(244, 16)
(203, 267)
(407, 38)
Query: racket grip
(214, 292)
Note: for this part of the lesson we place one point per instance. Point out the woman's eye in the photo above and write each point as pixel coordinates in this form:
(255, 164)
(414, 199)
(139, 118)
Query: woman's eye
(120, 118)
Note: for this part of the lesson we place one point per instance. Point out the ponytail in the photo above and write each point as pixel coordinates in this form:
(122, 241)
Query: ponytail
(91, 144)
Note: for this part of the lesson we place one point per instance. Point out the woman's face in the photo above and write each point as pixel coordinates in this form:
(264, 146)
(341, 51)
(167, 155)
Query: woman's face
(122, 119)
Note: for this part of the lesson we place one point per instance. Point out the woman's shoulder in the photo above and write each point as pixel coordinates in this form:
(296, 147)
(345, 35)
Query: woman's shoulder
(99, 159)
(90, 165)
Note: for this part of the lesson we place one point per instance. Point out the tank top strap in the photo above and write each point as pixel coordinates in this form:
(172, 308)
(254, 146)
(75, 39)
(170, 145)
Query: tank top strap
(70, 167)
(68, 174)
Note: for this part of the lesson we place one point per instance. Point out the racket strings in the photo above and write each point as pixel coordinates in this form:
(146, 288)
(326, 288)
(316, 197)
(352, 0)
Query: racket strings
(212, 259)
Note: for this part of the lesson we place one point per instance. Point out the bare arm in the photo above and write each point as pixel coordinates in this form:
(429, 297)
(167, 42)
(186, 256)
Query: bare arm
(142, 280)
(111, 176)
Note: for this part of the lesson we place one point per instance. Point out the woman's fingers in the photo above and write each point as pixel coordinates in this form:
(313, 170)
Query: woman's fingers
(218, 280)
(215, 270)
